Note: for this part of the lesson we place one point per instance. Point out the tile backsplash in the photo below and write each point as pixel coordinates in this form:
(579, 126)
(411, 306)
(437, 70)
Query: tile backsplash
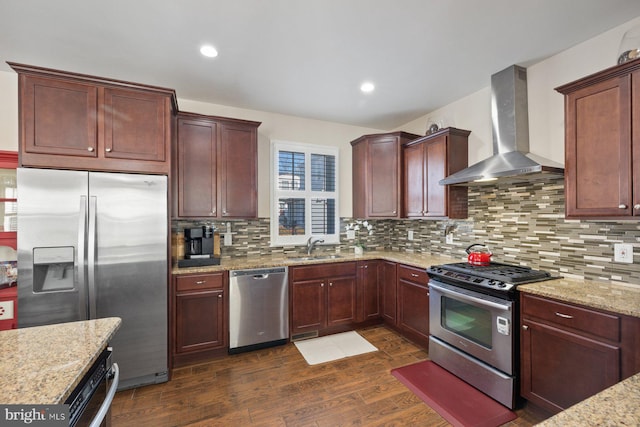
(521, 223)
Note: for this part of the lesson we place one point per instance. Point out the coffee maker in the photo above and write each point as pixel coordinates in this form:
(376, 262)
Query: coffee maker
(199, 247)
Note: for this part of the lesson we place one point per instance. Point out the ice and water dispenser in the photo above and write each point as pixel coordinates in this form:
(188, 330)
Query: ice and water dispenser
(53, 268)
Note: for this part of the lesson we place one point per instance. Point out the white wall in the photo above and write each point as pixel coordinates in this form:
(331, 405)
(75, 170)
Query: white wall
(8, 111)
(546, 106)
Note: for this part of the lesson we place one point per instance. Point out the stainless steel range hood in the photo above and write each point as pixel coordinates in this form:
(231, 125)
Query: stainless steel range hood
(511, 160)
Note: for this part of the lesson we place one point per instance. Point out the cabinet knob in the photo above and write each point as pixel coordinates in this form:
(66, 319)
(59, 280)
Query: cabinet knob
(636, 207)
(201, 282)
(365, 266)
(622, 206)
(330, 283)
(322, 285)
(90, 149)
(414, 275)
(394, 212)
(525, 327)
(224, 212)
(213, 212)
(220, 296)
(108, 150)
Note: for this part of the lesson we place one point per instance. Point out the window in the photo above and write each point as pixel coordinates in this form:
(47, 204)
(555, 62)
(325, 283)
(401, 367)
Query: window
(304, 187)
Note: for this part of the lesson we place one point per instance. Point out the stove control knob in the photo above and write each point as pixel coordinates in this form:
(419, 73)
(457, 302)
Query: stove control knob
(502, 285)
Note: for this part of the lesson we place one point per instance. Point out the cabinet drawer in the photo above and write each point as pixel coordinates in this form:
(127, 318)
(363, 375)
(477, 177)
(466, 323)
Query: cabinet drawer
(320, 271)
(569, 316)
(199, 282)
(413, 274)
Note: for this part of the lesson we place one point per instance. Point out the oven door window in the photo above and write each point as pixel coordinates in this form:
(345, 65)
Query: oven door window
(467, 320)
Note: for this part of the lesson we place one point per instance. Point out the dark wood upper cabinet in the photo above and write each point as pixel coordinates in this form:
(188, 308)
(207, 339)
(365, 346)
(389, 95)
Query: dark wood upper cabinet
(427, 160)
(602, 147)
(217, 167)
(377, 174)
(75, 121)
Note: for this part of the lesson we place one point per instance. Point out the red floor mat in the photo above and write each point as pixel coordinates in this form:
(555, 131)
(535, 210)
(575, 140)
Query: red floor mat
(455, 400)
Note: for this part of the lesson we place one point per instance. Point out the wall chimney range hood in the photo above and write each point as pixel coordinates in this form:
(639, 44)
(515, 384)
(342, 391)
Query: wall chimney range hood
(511, 160)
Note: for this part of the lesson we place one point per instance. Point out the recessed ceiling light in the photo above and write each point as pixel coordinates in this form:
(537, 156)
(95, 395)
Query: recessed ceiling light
(367, 87)
(209, 51)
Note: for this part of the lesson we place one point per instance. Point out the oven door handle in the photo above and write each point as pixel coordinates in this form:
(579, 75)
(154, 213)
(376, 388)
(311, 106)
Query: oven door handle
(470, 298)
(104, 408)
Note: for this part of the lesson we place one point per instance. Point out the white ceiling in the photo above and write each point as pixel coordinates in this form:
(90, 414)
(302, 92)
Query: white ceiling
(304, 57)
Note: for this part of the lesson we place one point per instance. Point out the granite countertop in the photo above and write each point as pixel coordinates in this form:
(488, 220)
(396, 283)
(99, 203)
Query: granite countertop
(416, 260)
(43, 364)
(614, 297)
(615, 406)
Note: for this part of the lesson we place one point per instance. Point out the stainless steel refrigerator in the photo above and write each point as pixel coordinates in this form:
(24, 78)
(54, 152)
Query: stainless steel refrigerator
(94, 245)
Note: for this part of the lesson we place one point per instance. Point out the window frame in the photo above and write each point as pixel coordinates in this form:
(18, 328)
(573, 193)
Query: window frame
(308, 194)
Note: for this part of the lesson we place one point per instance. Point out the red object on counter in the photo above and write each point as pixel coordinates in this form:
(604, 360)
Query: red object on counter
(481, 256)
(9, 308)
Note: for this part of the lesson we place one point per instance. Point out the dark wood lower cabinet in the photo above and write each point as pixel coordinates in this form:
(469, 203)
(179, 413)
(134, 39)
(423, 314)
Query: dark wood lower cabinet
(341, 301)
(561, 369)
(413, 308)
(389, 292)
(199, 321)
(570, 352)
(196, 309)
(323, 298)
(368, 299)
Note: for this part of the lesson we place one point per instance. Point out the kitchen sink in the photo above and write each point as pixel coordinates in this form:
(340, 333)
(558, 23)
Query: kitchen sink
(314, 257)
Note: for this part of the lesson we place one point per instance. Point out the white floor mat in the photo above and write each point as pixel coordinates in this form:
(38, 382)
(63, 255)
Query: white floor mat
(333, 347)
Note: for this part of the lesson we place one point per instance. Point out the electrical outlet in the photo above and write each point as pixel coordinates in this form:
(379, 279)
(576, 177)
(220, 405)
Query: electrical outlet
(410, 235)
(623, 252)
(351, 234)
(449, 238)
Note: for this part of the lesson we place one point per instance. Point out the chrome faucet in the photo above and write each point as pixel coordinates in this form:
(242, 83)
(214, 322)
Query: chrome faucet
(312, 244)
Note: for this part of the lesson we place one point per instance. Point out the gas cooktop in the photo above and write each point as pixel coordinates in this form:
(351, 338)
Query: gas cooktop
(502, 278)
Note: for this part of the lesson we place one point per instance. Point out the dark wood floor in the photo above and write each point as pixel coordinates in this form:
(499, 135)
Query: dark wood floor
(276, 387)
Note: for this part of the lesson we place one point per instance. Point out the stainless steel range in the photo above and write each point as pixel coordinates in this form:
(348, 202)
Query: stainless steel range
(473, 316)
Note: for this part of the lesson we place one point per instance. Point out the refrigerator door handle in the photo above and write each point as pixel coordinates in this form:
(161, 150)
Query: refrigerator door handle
(91, 257)
(82, 231)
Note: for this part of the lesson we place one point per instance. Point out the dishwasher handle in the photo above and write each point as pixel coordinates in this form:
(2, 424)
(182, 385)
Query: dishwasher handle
(260, 276)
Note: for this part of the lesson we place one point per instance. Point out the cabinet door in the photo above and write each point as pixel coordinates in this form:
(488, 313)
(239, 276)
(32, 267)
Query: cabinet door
(388, 283)
(383, 187)
(414, 180)
(368, 290)
(197, 156)
(359, 174)
(560, 368)
(414, 310)
(635, 137)
(199, 320)
(598, 150)
(135, 125)
(436, 167)
(238, 171)
(341, 300)
(308, 306)
(58, 117)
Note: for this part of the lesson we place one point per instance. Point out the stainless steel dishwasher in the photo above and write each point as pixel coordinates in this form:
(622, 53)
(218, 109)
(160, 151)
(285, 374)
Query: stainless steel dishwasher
(258, 308)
